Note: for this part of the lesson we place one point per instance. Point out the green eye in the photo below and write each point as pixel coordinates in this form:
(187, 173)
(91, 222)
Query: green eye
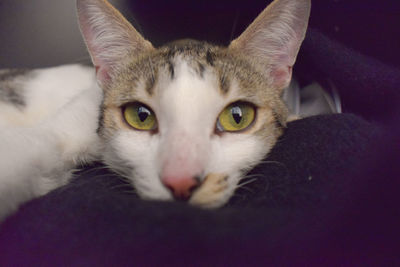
(236, 117)
(140, 117)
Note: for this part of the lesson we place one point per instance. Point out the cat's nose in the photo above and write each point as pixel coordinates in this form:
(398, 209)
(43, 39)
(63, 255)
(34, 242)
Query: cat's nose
(181, 187)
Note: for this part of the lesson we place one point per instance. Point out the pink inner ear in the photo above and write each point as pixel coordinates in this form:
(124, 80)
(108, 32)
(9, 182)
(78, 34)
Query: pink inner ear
(281, 76)
(102, 74)
(102, 67)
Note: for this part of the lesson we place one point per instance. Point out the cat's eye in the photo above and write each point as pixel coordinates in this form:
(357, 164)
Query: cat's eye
(140, 117)
(236, 117)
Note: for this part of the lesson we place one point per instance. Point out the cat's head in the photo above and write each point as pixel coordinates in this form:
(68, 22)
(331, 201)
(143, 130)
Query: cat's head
(189, 119)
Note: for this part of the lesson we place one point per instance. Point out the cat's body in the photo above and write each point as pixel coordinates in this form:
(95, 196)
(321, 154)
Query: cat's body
(183, 121)
(38, 148)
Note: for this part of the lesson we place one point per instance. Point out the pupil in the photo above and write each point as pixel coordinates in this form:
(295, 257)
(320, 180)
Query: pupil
(143, 113)
(237, 114)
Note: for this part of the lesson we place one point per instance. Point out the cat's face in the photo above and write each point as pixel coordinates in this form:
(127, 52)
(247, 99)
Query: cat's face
(189, 87)
(188, 120)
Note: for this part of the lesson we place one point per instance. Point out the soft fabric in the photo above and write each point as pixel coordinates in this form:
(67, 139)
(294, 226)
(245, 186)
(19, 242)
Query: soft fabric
(367, 86)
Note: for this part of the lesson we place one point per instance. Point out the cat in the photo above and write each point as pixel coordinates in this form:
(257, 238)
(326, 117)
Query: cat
(184, 121)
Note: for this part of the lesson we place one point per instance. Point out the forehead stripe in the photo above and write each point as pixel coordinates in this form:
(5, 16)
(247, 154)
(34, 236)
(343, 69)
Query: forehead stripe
(224, 83)
(171, 69)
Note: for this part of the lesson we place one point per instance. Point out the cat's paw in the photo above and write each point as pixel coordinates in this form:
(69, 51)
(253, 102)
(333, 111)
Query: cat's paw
(75, 126)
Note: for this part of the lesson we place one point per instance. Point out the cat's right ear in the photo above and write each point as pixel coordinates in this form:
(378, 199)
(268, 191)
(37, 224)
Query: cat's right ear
(274, 38)
(110, 38)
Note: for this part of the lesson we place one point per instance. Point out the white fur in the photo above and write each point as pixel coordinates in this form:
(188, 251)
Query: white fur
(58, 132)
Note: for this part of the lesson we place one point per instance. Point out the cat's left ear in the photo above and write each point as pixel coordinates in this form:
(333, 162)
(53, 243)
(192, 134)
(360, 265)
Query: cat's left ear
(274, 39)
(110, 38)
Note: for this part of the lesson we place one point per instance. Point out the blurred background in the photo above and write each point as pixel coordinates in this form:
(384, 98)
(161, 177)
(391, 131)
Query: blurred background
(40, 33)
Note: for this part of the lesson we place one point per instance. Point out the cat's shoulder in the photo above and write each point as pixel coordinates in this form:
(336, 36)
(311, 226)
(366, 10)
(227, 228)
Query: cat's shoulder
(29, 95)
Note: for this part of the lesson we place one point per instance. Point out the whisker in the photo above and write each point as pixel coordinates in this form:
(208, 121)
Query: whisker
(256, 175)
(103, 175)
(246, 182)
(276, 163)
(246, 188)
(272, 162)
(85, 170)
(102, 167)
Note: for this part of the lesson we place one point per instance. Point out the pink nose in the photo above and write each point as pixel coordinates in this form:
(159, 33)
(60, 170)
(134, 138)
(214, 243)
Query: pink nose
(181, 188)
